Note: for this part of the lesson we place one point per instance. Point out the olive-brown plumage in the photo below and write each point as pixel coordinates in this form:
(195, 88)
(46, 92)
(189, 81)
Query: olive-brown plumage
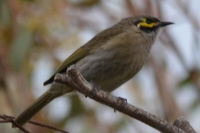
(108, 60)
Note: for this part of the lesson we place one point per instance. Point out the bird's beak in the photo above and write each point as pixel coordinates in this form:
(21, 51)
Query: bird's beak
(163, 24)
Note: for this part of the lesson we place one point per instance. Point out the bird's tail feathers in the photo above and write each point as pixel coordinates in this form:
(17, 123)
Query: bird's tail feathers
(56, 90)
(35, 107)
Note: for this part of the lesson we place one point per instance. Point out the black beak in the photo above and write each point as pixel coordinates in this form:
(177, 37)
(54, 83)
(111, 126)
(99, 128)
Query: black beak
(163, 24)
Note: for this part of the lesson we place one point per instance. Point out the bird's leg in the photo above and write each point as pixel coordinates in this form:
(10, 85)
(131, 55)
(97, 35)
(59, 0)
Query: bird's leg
(121, 101)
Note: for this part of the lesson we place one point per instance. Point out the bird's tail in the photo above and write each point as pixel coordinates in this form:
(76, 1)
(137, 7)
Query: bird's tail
(38, 105)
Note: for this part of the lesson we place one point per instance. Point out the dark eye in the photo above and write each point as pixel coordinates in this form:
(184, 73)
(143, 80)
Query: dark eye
(148, 21)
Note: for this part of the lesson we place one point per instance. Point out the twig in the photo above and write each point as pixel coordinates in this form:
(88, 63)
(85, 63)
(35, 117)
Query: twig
(10, 119)
(76, 80)
(47, 126)
(5, 121)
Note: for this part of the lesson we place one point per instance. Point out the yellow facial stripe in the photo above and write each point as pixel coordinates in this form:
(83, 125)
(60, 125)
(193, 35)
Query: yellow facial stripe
(144, 24)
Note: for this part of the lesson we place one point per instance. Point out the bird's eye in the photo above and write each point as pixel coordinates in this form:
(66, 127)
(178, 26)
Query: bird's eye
(148, 21)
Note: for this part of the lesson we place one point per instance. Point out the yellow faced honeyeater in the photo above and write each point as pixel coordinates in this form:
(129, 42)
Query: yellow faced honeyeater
(108, 60)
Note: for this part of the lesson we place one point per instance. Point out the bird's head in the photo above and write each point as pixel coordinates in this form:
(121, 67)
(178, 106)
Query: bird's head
(149, 24)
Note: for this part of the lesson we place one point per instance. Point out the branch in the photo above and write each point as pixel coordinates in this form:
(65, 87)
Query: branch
(11, 119)
(185, 125)
(74, 78)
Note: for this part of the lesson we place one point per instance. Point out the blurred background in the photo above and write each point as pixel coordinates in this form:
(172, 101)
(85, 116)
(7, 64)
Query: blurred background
(37, 35)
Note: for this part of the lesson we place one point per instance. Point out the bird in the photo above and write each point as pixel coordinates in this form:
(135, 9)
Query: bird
(108, 60)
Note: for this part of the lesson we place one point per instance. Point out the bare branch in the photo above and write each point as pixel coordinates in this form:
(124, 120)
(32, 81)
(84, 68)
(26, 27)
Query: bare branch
(10, 119)
(47, 126)
(77, 81)
(185, 125)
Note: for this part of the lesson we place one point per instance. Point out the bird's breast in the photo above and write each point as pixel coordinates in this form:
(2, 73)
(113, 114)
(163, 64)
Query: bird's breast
(111, 67)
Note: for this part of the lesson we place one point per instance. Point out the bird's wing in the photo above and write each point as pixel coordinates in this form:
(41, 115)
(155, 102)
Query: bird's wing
(77, 55)
(92, 45)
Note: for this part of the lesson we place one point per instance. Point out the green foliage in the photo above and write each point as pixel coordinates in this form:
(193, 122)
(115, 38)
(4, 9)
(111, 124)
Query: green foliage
(85, 3)
(77, 107)
(20, 48)
(4, 13)
(28, 0)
